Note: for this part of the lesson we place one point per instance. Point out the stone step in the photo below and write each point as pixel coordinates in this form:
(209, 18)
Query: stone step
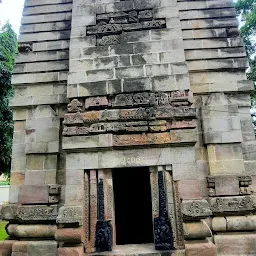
(138, 250)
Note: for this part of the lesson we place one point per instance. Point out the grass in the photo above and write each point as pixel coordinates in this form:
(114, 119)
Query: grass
(3, 183)
(3, 234)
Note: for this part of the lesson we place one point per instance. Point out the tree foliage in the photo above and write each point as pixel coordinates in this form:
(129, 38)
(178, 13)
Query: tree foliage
(247, 9)
(8, 48)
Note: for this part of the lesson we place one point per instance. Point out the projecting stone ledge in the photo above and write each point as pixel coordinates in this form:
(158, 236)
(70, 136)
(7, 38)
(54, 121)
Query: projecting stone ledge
(175, 137)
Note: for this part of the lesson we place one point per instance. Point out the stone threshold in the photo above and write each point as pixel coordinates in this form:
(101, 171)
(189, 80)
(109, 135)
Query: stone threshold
(138, 250)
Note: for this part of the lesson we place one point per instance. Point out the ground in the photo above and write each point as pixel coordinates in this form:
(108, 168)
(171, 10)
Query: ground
(3, 234)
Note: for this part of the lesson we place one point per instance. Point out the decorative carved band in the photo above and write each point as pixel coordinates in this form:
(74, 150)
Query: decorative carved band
(162, 225)
(235, 204)
(111, 26)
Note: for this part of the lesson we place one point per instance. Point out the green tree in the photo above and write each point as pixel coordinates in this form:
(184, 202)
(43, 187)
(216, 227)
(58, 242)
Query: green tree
(247, 9)
(8, 49)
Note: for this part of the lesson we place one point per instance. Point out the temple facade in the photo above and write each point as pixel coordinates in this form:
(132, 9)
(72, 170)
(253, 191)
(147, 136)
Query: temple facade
(132, 131)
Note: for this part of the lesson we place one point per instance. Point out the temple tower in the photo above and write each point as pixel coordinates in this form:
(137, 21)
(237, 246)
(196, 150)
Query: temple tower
(132, 131)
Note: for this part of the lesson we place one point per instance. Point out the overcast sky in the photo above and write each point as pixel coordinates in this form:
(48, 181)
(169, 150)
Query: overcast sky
(11, 10)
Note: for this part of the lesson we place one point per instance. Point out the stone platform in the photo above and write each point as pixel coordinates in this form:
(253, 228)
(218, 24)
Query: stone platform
(139, 250)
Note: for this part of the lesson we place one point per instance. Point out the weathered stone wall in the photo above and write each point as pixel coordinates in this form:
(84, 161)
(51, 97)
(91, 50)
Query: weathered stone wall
(40, 85)
(116, 84)
(217, 62)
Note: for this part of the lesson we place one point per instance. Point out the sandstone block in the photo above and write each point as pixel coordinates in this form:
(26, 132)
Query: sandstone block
(129, 72)
(200, 248)
(6, 247)
(70, 214)
(17, 178)
(20, 247)
(8, 212)
(196, 230)
(67, 251)
(219, 224)
(31, 231)
(241, 223)
(42, 248)
(141, 59)
(190, 189)
(236, 244)
(34, 195)
(137, 84)
(69, 235)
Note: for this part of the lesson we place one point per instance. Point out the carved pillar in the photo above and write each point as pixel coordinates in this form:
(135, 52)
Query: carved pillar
(86, 224)
(103, 237)
(162, 226)
(154, 191)
(93, 208)
(170, 202)
(179, 218)
(109, 200)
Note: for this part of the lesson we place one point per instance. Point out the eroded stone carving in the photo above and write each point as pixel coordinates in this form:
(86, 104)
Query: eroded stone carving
(37, 212)
(70, 214)
(195, 209)
(8, 212)
(233, 204)
(109, 40)
(75, 106)
(162, 225)
(110, 26)
(103, 236)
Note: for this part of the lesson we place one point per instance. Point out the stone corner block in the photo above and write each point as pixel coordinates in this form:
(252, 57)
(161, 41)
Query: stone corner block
(200, 248)
(70, 214)
(8, 212)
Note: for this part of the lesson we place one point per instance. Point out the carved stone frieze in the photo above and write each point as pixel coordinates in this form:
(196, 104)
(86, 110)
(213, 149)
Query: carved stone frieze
(145, 15)
(133, 113)
(70, 214)
(75, 106)
(235, 204)
(175, 98)
(195, 209)
(110, 26)
(37, 212)
(109, 40)
(100, 101)
(73, 119)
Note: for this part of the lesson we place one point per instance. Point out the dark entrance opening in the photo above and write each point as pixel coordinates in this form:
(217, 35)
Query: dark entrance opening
(133, 208)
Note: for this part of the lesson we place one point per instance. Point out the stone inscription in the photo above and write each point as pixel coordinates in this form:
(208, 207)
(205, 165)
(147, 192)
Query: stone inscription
(132, 160)
(111, 26)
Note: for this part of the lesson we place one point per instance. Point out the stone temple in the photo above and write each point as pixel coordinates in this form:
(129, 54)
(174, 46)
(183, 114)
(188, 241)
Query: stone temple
(132, 131)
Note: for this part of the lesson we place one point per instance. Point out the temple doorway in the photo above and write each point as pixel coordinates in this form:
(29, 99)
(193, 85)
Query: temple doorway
(133, 208)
